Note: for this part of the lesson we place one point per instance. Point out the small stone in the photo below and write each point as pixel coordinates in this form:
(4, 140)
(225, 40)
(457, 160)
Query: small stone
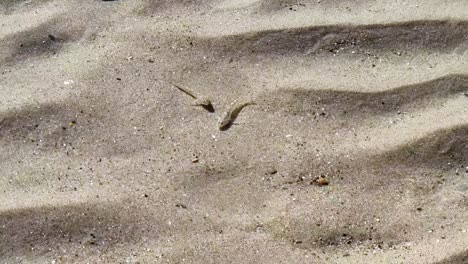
(195, 160)
(419, 209)
(52, 37)
(466, 94)
(150, 60)
(181, 206)
(297, 242)
(321, 181)
(272, 171)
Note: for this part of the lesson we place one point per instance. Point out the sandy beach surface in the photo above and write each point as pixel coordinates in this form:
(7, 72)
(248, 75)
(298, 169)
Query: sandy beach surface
(351, 147)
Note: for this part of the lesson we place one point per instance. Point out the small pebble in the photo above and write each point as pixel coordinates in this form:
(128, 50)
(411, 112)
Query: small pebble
(272, 171)
(296, 242)
(320, 181)
(52, 37)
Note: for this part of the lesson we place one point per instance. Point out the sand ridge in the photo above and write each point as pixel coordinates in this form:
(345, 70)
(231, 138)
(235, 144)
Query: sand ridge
(103, 161)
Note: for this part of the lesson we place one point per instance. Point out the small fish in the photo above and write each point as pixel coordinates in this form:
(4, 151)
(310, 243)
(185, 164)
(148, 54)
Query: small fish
(203, 102)
(231, 115)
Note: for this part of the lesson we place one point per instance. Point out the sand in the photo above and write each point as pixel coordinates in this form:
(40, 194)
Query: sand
(104, 161)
